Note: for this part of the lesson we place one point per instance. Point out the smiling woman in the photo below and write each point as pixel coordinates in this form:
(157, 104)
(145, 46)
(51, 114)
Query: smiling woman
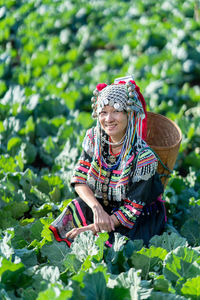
(114, 123)
(115, 178)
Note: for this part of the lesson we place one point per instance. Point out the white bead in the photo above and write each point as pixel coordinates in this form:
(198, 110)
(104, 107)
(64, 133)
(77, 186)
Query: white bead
(130, 89)
(131, 95)
(129, 109)
(94, 115)
(116, 106)
(96, 92)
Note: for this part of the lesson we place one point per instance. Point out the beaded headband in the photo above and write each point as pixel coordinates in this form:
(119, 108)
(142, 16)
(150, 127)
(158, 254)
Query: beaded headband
(122, 96)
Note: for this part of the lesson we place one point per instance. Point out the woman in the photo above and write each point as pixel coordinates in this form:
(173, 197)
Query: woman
(115, 178)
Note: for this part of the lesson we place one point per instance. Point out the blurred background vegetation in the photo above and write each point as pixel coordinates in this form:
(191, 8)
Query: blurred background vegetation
(53, 54)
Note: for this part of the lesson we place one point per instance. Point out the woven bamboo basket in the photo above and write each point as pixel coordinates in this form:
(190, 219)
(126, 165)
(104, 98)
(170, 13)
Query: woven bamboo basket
(164, 137)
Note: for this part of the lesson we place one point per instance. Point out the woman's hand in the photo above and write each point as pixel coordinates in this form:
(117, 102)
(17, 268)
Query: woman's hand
(102, 220)
(76, 231)
(98, 226)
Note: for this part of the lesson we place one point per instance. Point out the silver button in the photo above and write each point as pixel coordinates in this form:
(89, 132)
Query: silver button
(106, 180)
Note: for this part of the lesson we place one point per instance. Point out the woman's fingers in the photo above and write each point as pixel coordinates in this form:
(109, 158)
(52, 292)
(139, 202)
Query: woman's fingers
(106, 225)
(76, 231)
(73, 233)
(69, 235)
(102, 221)
(112, 224)
(96, 227)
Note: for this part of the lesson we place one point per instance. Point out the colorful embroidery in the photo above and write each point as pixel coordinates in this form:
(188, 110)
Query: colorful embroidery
(146, 165)
(128, 213)
(81, 170)
(123, 220)
(115, 183)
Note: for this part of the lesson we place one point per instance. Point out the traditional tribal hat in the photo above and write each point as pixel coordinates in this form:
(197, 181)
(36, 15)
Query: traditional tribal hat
(123, 96)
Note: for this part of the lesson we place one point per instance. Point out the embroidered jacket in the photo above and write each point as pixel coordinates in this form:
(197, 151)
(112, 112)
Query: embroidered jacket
(131, 188)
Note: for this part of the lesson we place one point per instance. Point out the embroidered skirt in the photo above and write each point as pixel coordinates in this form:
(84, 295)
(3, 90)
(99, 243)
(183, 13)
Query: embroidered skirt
(77, 214)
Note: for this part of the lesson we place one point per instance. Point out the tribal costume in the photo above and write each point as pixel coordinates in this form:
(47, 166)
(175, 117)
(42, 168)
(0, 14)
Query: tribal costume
(126, 184)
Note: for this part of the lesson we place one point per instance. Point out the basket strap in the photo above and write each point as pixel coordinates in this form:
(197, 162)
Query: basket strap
(157, 156)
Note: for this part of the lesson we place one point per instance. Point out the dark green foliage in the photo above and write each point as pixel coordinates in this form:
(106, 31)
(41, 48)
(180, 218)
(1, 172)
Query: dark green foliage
(52, 55)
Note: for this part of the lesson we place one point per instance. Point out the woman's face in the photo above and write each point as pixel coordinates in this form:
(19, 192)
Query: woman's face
(113, 122)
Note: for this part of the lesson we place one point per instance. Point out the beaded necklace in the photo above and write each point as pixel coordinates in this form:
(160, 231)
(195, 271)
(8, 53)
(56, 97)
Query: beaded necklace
(126, 148)
(114, 144)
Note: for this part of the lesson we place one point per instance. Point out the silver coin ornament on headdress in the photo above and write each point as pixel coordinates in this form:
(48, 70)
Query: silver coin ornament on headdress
(121, 96)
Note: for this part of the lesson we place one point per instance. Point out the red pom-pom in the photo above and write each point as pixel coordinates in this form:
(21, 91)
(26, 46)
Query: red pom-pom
(101, 86)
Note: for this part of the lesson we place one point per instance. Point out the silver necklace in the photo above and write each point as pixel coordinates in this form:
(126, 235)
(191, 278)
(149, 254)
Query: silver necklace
(115, 144)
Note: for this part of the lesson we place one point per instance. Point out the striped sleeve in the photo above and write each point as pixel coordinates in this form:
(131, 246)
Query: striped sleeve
(84, 162)
(81, 170)
(141, 193)
(128, 213)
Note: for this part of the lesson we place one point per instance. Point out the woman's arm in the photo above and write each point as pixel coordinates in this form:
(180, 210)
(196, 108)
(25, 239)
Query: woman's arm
(115, 220)
(87, 195)
(141, 193)
(102, 221)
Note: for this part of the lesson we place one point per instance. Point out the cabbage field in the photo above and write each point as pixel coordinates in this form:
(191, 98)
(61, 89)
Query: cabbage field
(52, 55)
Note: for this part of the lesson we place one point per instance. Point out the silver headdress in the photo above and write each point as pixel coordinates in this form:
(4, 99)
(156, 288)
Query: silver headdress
(122, 96)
